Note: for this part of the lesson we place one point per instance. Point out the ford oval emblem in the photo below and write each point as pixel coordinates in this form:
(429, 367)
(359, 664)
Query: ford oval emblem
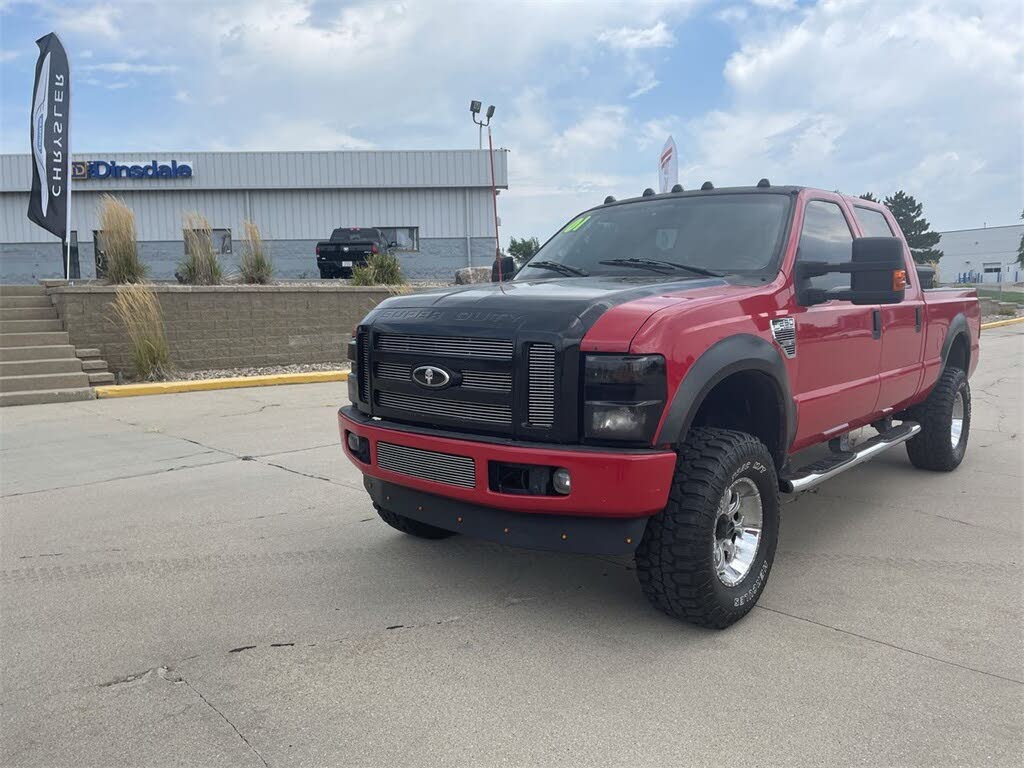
(431, 377)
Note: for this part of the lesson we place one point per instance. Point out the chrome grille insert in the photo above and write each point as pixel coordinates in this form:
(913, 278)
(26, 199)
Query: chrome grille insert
(399, 371)
(492, 381)
(445, 346)
(363, 350)
(541, 393)
(486, 413)
(427, 465)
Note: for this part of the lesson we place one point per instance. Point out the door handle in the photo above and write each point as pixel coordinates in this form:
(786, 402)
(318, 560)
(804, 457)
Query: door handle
(917, 319)
(876, 324)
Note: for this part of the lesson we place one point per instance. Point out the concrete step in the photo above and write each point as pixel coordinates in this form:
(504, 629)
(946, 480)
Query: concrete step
(34, 339)
(12, 302)
(44, 381)
(27, 326)
(22, 290)
(35, 367)
(38, 396)
(53, 352)
(85, 353)
(97, 379)
(28, 313)
(92, 365)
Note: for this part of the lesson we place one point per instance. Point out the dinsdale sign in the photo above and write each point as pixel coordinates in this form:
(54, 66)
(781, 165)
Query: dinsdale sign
(110, 169)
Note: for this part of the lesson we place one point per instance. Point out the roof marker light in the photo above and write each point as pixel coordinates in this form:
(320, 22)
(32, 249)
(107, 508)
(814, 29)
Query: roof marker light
(764, 183)
(677, 188)
(707, 185)
(648, 192)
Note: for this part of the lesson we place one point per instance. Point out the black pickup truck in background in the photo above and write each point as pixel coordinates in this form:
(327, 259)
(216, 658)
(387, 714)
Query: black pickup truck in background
(349, 247)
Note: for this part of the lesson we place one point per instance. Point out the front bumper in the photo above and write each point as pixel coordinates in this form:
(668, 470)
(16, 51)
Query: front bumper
(628, 483)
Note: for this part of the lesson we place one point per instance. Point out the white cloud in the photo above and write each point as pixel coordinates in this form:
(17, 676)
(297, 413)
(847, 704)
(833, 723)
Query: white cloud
(125, 67)
(98, 20)
(872, 96)
(601, 128)
(280, 133)
(7, 55)
(183, 96)
(633, 39)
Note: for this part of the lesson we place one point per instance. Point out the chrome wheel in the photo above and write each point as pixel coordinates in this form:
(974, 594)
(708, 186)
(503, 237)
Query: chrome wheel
(956, 426)
(737, 531)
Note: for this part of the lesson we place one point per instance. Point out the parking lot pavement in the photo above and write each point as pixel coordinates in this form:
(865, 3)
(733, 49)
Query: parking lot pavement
(199, 579)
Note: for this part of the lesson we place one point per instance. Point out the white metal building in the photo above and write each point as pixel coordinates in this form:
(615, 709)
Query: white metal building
(435, 204)
(987, 255)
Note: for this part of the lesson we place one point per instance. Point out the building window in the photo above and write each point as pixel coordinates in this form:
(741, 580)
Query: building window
(407, 238)
(992, 267)
(219, 238)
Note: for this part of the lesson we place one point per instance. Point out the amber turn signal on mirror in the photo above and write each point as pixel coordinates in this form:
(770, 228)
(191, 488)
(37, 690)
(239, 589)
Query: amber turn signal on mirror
(899, 279)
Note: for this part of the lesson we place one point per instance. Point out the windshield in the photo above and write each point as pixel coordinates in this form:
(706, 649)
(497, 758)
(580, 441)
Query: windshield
(724, 234)
(356, 235)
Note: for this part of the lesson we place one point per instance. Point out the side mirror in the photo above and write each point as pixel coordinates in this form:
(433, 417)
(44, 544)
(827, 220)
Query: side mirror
(508, 269)
(926, 276)
(878, 274)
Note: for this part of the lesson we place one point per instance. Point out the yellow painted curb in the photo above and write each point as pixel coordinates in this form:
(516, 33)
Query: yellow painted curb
(1001, 323)
(202, 385)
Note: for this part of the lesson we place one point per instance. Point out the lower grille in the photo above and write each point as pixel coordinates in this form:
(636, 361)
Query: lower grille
(427, 465)
(363, 348)
(486, 413)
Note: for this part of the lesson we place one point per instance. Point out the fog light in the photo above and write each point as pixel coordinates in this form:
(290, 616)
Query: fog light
(358, 446)
(562, 481)
(353, 442)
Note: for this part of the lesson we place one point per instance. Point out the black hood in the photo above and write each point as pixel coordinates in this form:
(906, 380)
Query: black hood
(569, 306)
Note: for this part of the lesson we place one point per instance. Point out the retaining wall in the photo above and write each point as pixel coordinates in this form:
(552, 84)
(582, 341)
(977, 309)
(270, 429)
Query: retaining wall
(225, 326)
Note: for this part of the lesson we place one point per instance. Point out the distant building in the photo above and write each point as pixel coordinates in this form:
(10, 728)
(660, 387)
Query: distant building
(987, 255)
(435, 204)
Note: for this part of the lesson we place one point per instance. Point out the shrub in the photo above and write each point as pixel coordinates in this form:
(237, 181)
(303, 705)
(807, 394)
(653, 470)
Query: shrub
(138, 310)
(117, 223)
(200, 266)
(380, 269)
(255, 264)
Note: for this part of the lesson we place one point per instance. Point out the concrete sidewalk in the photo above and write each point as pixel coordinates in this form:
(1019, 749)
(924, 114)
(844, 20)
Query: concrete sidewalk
(199, 579)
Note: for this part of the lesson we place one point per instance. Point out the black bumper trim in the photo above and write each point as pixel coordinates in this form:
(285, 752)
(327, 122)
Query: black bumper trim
(558, 533)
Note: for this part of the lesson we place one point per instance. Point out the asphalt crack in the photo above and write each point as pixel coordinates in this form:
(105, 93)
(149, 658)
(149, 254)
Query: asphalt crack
(224, 717)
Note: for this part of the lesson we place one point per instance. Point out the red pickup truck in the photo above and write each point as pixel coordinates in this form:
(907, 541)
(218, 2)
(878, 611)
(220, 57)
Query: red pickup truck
(655, 376)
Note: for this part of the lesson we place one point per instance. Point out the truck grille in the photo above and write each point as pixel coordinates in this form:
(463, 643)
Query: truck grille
(446, 346)
(363, 350)
(541, 399)
(427, 465)
(491, 381)
(485, 413)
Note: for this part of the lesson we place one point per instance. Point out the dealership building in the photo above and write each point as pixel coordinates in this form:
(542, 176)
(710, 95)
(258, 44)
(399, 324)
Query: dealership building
(436, 205)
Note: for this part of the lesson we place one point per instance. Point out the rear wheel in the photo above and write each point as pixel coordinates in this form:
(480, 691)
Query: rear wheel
(945, 419)
(706, 557)
(412, 527)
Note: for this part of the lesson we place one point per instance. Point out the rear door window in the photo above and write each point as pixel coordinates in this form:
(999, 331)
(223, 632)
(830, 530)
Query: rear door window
(873, 223)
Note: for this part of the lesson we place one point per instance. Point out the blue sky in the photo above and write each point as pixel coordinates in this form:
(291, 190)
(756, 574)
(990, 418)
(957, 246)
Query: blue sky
(921, 95)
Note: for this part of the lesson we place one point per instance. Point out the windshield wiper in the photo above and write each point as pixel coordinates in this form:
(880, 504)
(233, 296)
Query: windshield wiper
(659, 265)
(555, 266)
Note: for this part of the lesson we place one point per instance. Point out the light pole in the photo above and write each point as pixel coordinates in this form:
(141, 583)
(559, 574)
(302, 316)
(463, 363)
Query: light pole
(474, 108)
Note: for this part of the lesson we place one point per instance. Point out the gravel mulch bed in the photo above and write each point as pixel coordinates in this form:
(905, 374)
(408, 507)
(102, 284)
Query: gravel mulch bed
(265, 370)
(994, 318)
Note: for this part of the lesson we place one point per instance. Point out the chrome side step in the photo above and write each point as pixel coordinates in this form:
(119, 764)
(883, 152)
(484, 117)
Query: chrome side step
(825, 469)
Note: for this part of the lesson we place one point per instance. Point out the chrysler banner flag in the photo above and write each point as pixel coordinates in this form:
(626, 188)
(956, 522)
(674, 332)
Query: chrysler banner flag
(668, 166)
(49, 204)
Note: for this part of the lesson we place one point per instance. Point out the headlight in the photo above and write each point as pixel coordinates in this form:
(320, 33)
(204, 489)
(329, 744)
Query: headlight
(623, 396)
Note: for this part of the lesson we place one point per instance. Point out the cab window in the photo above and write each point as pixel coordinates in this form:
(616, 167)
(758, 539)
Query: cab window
(826, 237)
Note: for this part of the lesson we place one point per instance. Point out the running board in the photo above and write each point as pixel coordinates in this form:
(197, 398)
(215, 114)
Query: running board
(825, 469)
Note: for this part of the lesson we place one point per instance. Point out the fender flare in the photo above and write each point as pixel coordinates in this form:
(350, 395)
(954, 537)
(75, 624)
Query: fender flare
(957, 327)
(734, 354)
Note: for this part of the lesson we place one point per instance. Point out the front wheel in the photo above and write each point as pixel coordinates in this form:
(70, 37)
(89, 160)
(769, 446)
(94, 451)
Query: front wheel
(945, 419)
(706, 557)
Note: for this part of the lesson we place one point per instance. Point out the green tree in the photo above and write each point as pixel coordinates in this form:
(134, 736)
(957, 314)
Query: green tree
(869, 196)
(1020, 248)
(522, 249)
(916, 228)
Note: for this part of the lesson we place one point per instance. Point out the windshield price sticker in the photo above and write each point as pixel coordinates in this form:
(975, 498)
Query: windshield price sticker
(576, 223)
